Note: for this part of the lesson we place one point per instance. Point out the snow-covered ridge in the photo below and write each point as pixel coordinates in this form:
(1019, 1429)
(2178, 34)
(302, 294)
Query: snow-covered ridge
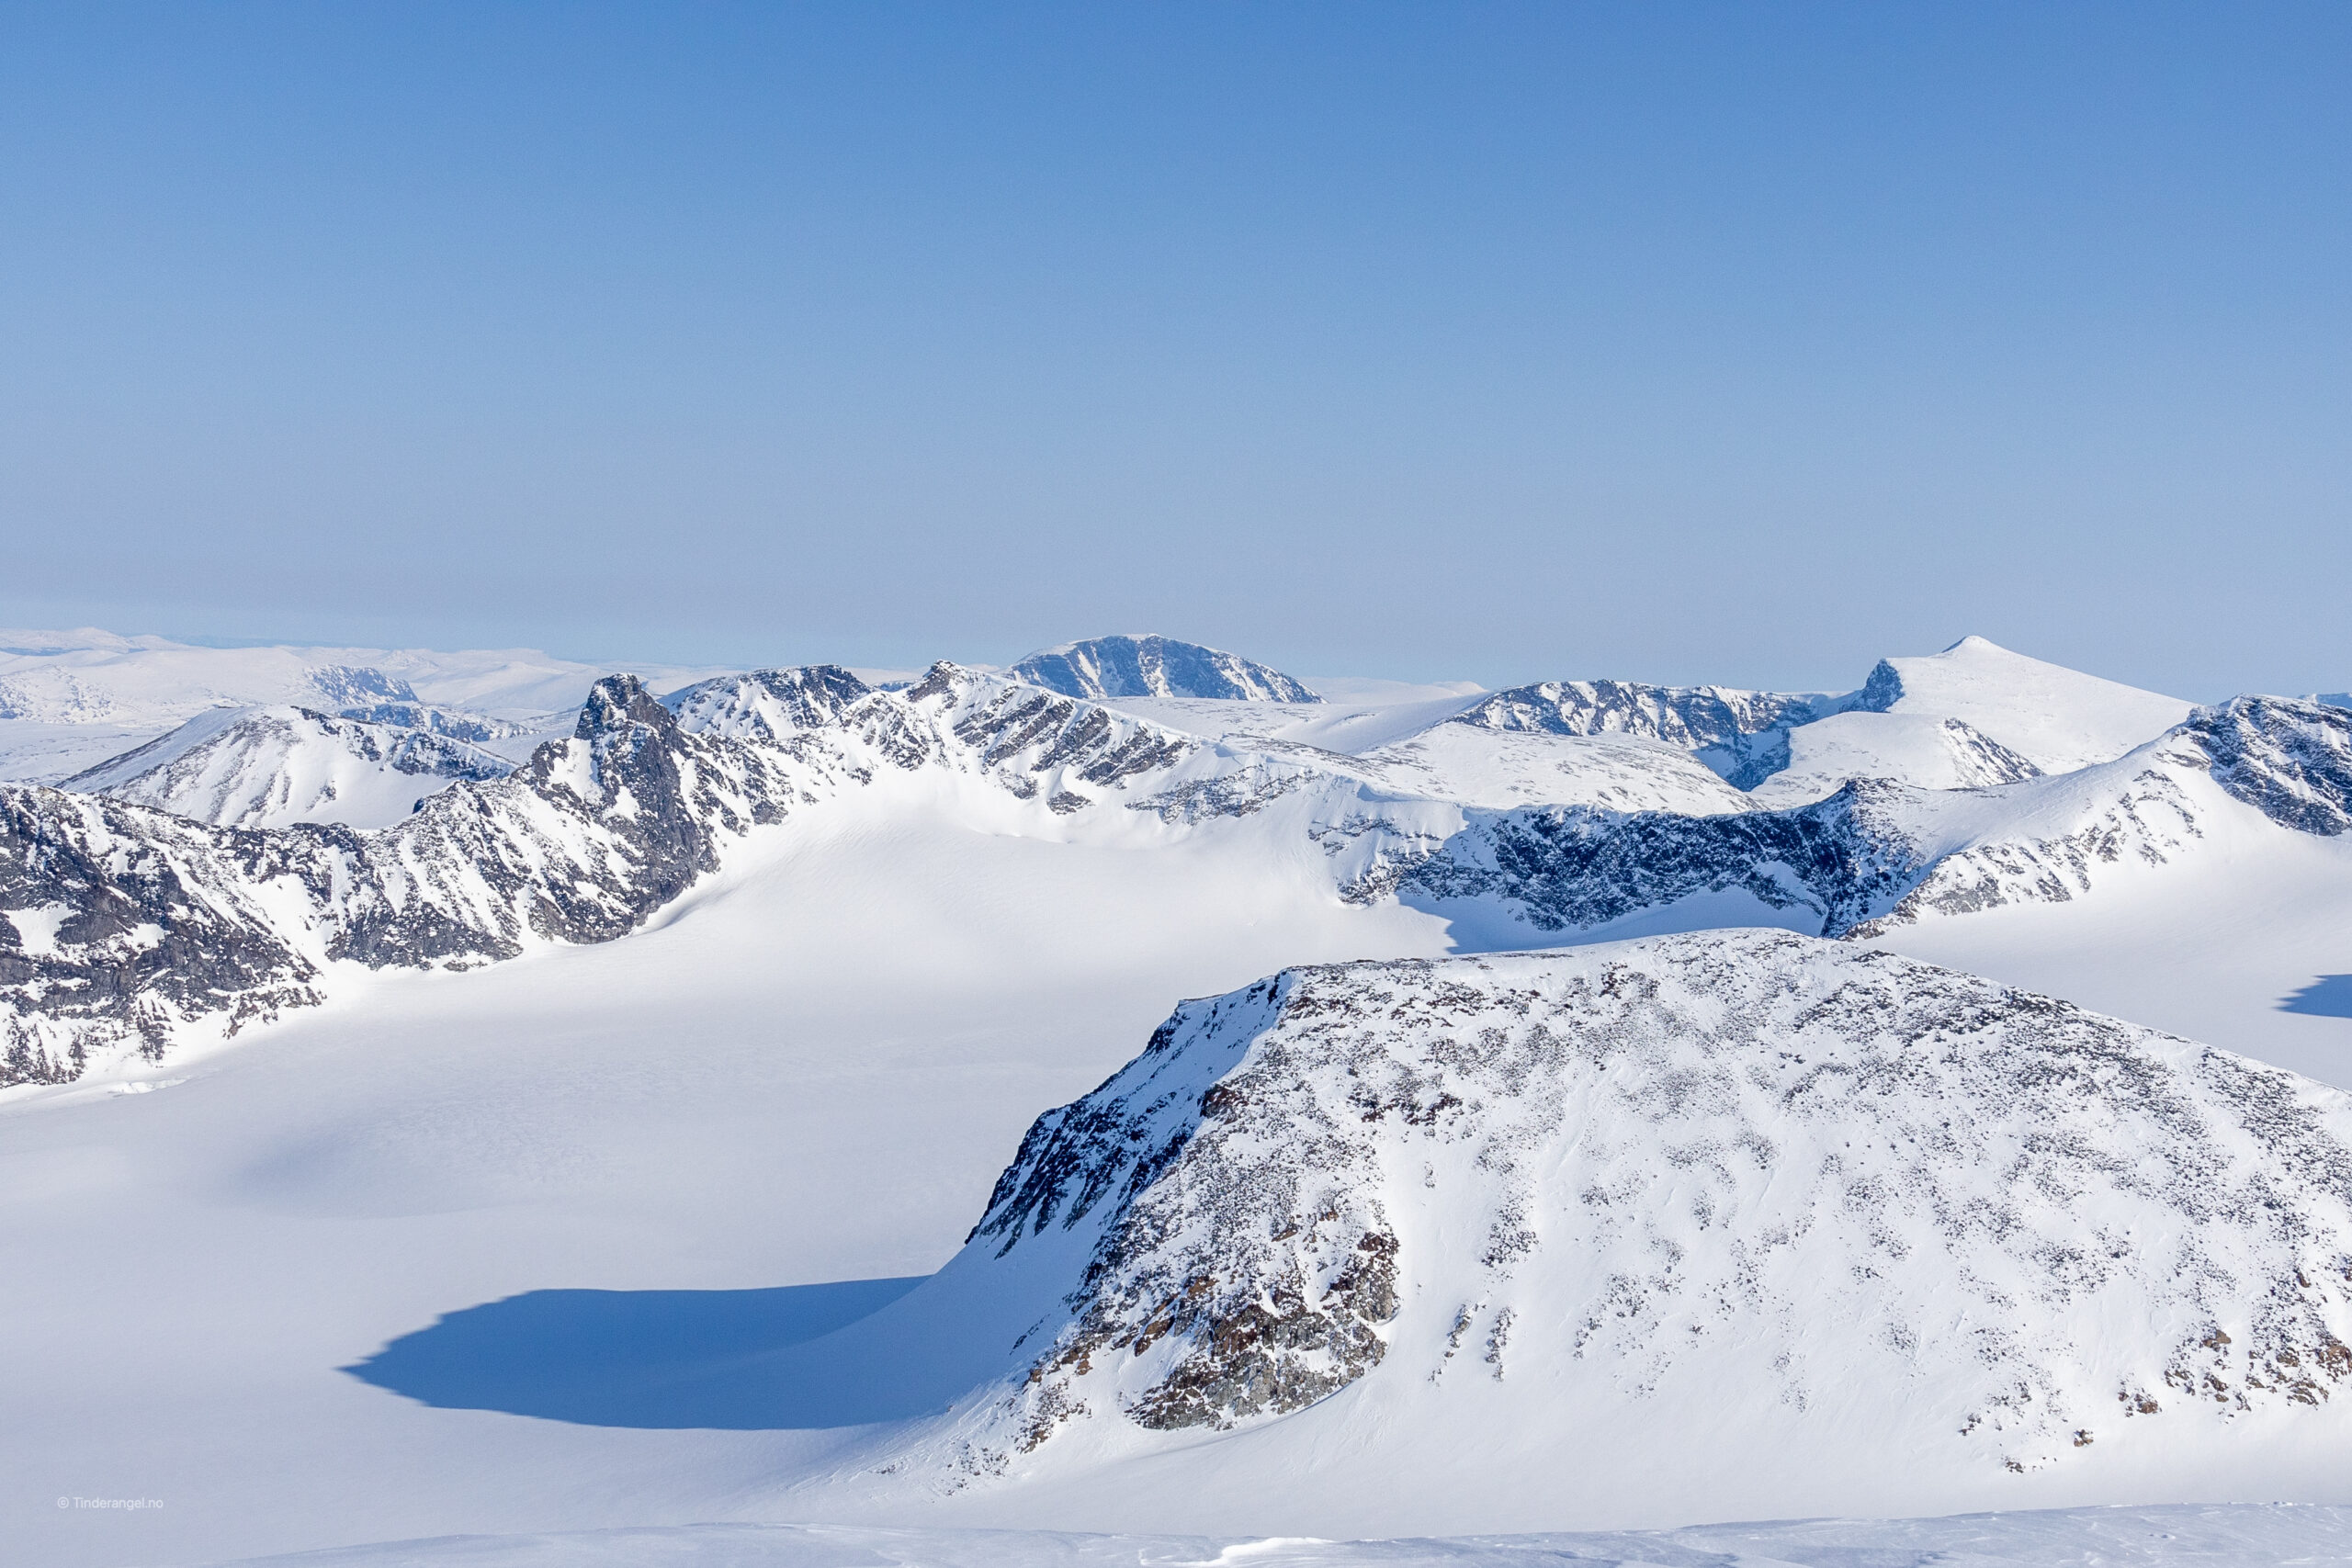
(1758, 1193)
(1878, 853)
(1155, 667)
(168, 930)
(765, 705)
(272, 767)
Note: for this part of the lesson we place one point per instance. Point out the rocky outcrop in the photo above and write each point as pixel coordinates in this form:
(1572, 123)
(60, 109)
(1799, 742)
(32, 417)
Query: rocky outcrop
(1756, 1169)
(766, 704)
(2292, 760)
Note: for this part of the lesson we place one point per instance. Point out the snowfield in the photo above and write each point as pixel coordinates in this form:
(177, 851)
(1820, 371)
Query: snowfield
(2105, 1537)
(584, 1162)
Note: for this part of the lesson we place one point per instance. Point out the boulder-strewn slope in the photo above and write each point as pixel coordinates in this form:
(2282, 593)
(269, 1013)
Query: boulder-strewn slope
(1752, 1191)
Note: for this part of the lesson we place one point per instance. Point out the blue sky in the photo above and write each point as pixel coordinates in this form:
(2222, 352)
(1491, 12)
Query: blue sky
(1684, 341)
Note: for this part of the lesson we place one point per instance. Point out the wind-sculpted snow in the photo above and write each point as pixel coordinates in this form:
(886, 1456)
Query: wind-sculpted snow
(274, 766)
(1794, 1181)
(1155, 667)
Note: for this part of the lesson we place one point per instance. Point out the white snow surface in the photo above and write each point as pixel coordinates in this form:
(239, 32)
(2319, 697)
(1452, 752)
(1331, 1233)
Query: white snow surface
(269, 767)
(68, 699)
(811, 1068)
(2211, 1537)
(1913, 749)
(2057, 719)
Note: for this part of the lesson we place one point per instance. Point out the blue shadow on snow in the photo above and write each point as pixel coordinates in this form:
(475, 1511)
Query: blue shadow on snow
(2329, 997)
(657, 1358)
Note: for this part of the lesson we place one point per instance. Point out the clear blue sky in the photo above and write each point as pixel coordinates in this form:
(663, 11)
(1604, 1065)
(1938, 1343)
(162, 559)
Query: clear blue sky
(1741, 342)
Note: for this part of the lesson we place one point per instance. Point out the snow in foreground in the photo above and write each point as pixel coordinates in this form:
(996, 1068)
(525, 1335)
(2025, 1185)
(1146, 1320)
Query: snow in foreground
(2109, 1537)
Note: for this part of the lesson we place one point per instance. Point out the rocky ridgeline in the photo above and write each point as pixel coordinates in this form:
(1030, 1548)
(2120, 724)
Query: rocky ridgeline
(1824, 1176)
(1877, 853)
(129, 928)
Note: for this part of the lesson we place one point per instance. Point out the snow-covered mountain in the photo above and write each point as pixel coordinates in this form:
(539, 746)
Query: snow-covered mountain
(1666, 1227)
(271, 767)
(1155, 667)
(1878, 855)
(596, 834)
(765, 705)
(70, 700)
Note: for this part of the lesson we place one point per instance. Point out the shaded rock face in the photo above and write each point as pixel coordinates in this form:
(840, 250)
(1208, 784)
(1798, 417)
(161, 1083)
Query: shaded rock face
(116, 923)
(1834, 1177)
(1157, 667)
(1569, 867)
(1878, 855)
(2292, 760)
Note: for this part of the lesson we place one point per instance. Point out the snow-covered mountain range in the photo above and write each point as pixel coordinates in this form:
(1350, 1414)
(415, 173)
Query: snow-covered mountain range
(197, 927)
(723, 1004)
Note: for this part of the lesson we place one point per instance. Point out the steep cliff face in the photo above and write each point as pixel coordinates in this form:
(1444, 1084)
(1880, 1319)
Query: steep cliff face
(1907, 1214)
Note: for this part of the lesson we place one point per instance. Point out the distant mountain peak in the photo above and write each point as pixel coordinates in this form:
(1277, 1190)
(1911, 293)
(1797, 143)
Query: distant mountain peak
(1151, 666)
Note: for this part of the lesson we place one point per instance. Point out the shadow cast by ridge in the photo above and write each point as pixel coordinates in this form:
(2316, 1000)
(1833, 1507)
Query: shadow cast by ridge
(647, 1359)
(2330, 996)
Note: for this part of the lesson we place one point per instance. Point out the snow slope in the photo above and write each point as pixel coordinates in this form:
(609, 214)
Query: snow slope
(807, 1068)
(1734, 1222)
(2222, 1537)
(1151, 666)
(803, 1065)
(70, 699)
(2056, 718)
(270, 767)
(1915, 750)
